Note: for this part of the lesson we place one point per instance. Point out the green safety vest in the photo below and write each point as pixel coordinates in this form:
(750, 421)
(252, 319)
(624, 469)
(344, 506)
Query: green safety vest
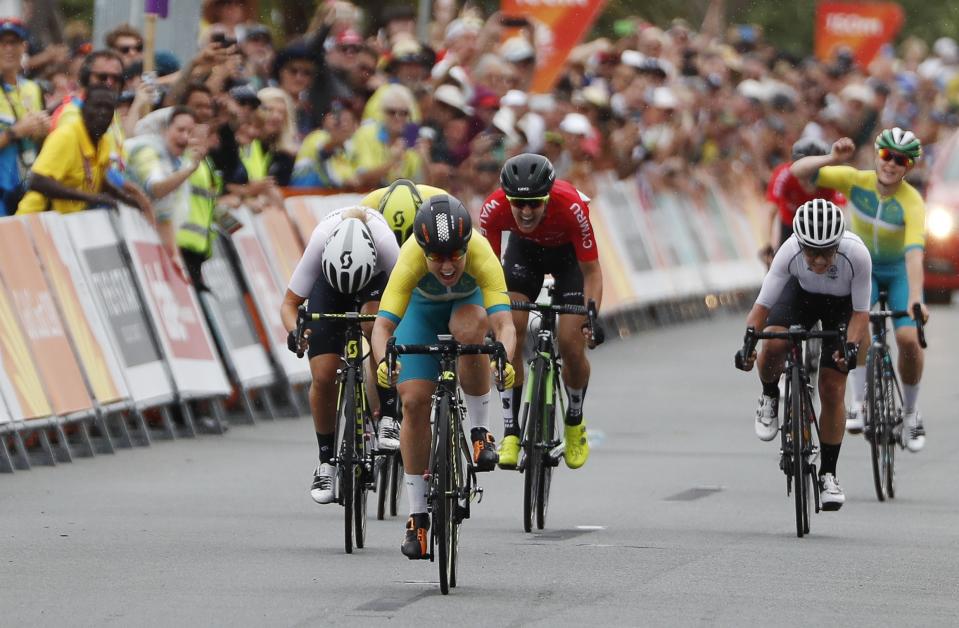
(196, 233)
(255, 160)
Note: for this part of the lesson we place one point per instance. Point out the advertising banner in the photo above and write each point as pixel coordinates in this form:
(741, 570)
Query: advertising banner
(4, 413)
(558, 27)
(861, 27)
(37, 313)
(112, 285)
(78, 310)
(307, 211)
(229, 310)
(175, 312)
(267, 296)
(280, 240)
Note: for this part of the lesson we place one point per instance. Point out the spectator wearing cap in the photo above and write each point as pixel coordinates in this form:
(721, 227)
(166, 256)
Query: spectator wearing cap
(448, 136)
(407, 64)
(325, 157)
(294, 70)
(23, 121)
(127, 42)
(581, 147)
(383, 151)
(519, 52)
(257, 48)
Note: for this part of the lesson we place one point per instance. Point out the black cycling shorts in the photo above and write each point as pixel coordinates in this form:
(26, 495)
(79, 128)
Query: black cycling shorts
(798, 307)
(330, 336)
(526, 263)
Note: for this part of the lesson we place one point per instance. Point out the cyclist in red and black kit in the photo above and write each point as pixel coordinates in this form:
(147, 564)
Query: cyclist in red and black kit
(550, 233)
(785, 193)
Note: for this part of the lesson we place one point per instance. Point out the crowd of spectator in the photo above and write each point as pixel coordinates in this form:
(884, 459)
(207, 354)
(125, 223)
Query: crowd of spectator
(352, 105)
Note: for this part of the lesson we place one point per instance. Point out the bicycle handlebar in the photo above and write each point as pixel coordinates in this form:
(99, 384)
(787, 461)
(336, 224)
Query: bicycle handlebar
(589, 311)
(448, 348)
(916, 315)
(794, 334)
(920, 324)
(303, 317)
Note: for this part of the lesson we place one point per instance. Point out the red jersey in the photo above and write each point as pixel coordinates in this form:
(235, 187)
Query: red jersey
(566, 221)
(788, 194)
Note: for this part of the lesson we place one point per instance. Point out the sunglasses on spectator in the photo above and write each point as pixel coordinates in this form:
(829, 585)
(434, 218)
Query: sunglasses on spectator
(107, 77)
(901, 160)
(533, 202)
(125, 50)
(397, 112)
(455, 256)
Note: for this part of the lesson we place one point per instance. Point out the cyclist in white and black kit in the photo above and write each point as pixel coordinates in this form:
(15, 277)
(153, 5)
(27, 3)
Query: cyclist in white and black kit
(348, 259)
(821, 273)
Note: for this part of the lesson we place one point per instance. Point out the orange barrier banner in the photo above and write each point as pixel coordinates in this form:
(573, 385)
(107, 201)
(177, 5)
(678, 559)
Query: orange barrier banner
(24, 394)
(43, 329)
(300, 212)
(90, 346)
(559, 26)
(278, 236)
(863, 28)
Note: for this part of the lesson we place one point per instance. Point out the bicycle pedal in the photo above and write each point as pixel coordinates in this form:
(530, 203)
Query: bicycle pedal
(477, 494)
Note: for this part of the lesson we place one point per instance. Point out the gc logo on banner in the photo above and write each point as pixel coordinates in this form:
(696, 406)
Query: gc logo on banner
(863, 28)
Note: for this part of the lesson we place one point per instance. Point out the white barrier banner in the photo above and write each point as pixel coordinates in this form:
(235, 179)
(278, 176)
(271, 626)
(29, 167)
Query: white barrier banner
(4, 388)
(229, 309)
(173, 307)
(307, 211)
(113, 287)
(267, 296)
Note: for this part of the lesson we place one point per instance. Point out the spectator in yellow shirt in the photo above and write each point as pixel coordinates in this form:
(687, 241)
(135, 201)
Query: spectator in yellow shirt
(69, 174)
(381, 151)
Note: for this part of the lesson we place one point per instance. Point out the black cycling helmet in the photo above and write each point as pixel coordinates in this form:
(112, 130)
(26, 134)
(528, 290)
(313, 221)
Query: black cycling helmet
(442, 225)
(809, 146)
(527, 176)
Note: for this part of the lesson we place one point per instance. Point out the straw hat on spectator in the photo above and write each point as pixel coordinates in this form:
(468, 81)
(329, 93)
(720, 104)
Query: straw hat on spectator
(452, 96)
(505, 122)
(857, 92)
(576, 124)
(517, 50)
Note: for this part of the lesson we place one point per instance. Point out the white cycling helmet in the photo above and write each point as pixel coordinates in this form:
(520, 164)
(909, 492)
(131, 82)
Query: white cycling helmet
(819, 224)
(349, 257)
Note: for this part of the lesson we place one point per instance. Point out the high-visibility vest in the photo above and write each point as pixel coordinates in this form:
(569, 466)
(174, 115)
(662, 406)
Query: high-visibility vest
(255, 160)
(196, 233)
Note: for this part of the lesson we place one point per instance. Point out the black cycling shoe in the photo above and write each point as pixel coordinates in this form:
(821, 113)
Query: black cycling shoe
(416, 544)
(484, 449)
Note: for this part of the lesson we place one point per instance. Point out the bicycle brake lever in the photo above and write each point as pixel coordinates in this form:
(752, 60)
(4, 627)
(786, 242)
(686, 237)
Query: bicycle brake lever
(920, 324)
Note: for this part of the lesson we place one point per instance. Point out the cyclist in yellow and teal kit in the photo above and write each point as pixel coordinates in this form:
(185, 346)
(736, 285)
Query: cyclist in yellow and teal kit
(889, 215)
(447, 280)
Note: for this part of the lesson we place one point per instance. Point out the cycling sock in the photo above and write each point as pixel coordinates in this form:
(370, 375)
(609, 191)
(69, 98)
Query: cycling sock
(387, 401)
(509, 400)
(416, 492)
(325, 441)
(830, 456)
(859, 384)
(477, 407)
(910, 394)
(771, 389)
(574, 413)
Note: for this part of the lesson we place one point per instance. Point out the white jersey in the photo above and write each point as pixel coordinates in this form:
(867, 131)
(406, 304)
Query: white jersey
(309, 268)
(850, 274)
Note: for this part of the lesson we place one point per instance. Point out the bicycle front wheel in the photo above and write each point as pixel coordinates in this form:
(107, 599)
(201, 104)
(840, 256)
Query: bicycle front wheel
(893, 414)
(533, 446)
(799, 468)
(346, 424)
(874, 422)
(443, 507)
(548, 440)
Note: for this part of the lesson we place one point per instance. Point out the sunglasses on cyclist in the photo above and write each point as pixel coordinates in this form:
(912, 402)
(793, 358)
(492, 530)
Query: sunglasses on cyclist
(520, 202)
(901, 160)
(455, 256)
(815, 252)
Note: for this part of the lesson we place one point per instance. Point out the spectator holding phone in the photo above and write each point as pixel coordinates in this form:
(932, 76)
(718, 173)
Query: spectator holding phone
(324, 160)
(383, 151)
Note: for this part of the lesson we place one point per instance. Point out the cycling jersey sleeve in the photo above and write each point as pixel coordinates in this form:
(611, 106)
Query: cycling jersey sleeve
(485, 267)
(778, 274)
(861, 292)
(409, 269)
(839, 178)
(915, 219)
(310, 266)
(387, 250)
(581, 230)
(489, 223)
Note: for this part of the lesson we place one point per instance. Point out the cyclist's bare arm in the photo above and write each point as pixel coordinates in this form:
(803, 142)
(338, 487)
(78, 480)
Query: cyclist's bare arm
(592, 282)
(914, 272)
(806, 168)
(383, 330)
(288, 309)
(505, 331)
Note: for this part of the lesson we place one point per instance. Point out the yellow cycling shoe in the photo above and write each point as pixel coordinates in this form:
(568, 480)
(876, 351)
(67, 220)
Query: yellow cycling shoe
(509, 452)
(577, 446)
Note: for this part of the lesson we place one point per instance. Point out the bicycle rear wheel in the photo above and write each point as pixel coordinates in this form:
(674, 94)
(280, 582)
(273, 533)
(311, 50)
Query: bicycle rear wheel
(547, 438)
(382, 471)
(799, 479)
(874, 421)
(396, 483)
(346, 473)
(532, 445)
(443, 506)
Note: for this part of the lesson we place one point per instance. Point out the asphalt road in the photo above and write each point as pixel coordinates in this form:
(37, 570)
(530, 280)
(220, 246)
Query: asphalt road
(679, 518)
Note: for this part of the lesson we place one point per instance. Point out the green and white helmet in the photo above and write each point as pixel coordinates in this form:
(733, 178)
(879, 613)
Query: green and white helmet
(900, 141)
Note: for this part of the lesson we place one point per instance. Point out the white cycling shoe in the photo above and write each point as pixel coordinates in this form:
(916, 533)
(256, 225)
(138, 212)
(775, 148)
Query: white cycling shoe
(322, 489)
(388, 434)
(767, 418)
(830, 493)
(913, 432)
(855, 418)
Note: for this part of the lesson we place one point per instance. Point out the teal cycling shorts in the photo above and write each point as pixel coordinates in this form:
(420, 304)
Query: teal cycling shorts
(423, 321)
(893, 279)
